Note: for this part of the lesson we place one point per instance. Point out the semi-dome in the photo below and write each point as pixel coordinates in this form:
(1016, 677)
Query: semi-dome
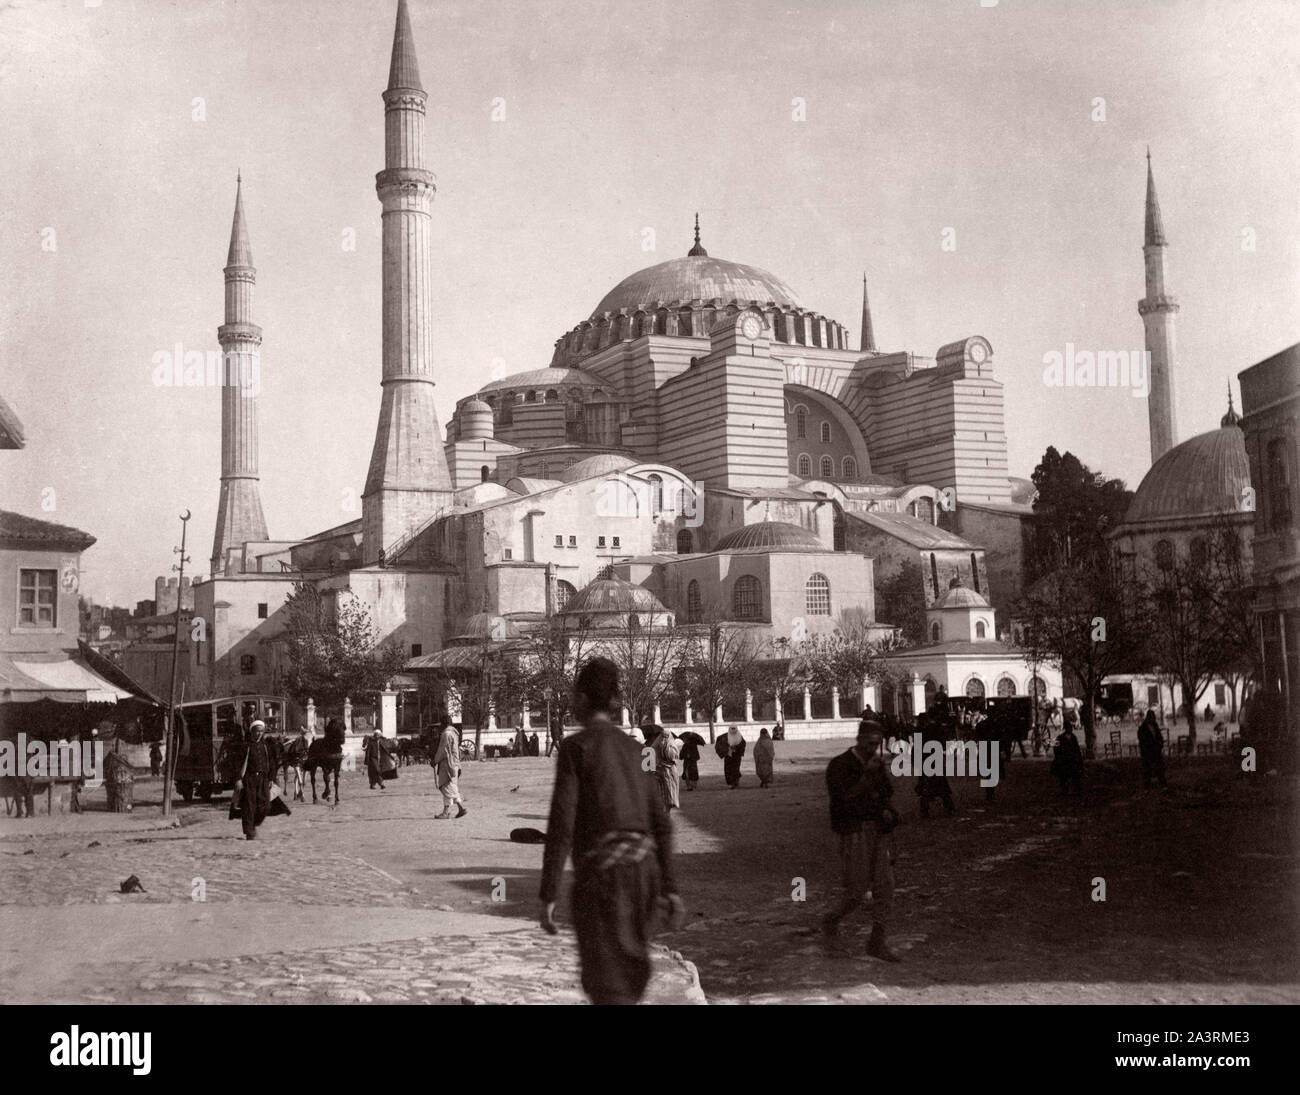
(696, 277)
(550, 377)
(607, 596)
(771, 536)
(1205, 475)
(603, 463)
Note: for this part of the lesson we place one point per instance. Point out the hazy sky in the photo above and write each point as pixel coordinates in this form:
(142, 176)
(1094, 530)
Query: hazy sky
(920, 116)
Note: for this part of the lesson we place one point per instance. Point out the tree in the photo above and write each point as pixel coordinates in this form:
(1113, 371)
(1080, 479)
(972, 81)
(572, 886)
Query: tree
(900, 600)
(1229, 589)
(1078, 618)
(783, 670)
(850, 656)
(555, 651)
(719, 662)
(1181, 631)
(332, 648)
(1075, 508)
(645, 655)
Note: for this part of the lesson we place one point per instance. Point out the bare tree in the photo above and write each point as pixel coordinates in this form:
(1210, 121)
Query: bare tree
(719, 661)
(645, 651)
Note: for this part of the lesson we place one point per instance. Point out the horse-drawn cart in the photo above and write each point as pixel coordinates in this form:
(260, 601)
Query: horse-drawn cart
(210, 732)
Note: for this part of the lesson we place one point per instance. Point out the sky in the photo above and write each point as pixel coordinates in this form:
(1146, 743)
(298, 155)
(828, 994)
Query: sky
(816, 141)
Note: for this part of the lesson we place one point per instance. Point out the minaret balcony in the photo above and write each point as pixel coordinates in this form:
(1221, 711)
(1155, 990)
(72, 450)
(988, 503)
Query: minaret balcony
(1162, 303)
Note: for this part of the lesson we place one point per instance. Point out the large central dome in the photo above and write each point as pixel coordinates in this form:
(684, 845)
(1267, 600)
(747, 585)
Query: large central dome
(696, 277)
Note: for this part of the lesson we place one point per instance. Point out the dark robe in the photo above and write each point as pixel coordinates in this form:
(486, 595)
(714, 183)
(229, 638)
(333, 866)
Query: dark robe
(1150, 746)
(731, 764)
(254, 800)
(612, 818)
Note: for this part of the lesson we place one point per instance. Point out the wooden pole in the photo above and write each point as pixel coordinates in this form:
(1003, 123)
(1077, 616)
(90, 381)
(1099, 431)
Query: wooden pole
(169, 774)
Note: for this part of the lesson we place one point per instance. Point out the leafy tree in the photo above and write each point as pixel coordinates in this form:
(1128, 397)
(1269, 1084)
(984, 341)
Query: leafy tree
(850, 656)
(900, 600)
(332, 648)
(1074, 510)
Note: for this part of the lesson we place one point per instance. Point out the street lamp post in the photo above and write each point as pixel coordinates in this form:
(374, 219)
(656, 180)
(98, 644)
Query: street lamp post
(170, 772)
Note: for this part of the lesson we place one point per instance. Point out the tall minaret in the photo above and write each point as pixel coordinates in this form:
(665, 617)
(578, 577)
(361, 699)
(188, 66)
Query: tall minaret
(408, 479)
(1157, 310)
(239, 513)
(868, 336)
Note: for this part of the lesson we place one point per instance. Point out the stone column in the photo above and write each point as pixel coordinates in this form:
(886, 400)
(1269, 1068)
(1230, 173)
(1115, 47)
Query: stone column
(918, 694)
(388, 713)
(626, 721)
(492, 715)
(749, 706)
(717, 714)
(656, 717)
(807, 705)
(835, 702)
(347, 713)
(527, 717)
(311, 714)
(687, 716)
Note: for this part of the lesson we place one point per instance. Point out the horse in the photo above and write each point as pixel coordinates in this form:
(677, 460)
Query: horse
(326, 753)
(292, 763)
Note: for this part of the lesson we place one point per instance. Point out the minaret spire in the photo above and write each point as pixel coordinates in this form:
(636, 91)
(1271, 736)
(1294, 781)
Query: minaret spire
(1232, 418)
(1158, 309)
(239, 510)
(868, 336)
(408, 481)
(698, 250)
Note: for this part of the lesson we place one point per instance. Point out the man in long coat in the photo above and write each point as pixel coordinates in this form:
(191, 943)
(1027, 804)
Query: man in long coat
(446, 766)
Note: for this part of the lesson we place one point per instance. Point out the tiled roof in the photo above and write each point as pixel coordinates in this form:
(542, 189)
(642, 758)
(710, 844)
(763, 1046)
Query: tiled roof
(18, 531)
(914, 531)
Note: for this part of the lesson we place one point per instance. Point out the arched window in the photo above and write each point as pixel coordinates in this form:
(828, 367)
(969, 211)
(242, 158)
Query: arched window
(850, 467)
(633, 622)
(694, 608)
(805, 466)
(684, 322)
(1277, 482)
(1164, 554)
(656, 494)
(936, 632)
(981, 631)
(975, 688)
(923, 509)
(531, 397)
(552, 396)
(247, 664)
(801, 423)
(1038, 688)
(563, 591)
(1006, 686)
(827, 468)
(817, 595)
(661, 321)
(746, 598)
(685, 545)
(975, 571)
(483, 474)
(931, 690)
(826, 433)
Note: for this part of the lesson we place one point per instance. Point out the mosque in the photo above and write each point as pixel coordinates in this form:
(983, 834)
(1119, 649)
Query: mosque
(704, 444)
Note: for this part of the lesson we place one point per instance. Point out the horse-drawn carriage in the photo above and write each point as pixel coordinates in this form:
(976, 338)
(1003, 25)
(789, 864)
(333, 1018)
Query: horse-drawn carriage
(210, 732)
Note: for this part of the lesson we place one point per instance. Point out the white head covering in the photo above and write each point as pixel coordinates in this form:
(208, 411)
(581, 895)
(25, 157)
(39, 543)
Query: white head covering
(733, 736)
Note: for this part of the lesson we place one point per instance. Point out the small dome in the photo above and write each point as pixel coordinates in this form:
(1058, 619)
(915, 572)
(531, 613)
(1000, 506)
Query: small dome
(773, 535)
(1203, 476)
(958, 596)
(612, 595)
(550, 377)
(475, 406)
(484, 627)
(603, 463)
(475, 421)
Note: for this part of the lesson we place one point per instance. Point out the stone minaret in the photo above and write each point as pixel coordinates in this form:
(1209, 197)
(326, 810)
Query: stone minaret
(1157, 310)
(868, 336)
(408, 480)
(239, 513)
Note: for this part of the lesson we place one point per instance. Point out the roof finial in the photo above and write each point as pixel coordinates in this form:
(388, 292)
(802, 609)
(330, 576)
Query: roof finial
(1232, 418)
(867, 336)
(697, 251)
(240, 253)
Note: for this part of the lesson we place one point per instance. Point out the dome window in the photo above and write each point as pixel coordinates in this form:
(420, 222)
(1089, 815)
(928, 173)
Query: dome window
(1164, 554)
(981, 630)
(935, 632)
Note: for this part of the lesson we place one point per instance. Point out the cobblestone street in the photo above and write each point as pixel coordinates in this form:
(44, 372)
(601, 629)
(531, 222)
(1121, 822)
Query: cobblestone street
(375, 901)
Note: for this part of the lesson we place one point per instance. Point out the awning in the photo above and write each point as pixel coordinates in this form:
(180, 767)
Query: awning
(64, 677)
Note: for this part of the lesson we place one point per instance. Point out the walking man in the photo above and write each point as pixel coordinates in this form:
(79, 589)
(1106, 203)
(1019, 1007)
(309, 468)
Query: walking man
(860, 791)
(446, 766)
(1150, 746)
(613, 819)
